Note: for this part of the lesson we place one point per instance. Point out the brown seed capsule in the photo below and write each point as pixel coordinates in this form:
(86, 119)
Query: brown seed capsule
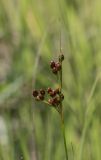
(42, 91)
(52, 93)
(49, 90)
(37, 98)
(57, 91)
(41, 97)
(54, 70)
(58, 66)
(51, 102)
(35, 93)
(61, 58)
(62, 97)
(56, 101)
(52, 64)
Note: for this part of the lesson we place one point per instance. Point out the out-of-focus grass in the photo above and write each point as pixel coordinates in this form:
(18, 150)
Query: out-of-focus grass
(29, 30)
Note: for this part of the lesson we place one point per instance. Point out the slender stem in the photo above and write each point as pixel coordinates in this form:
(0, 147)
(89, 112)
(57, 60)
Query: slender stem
(61, 77)
(61, 62)
(63, 131)
(61, 107)
(60, 38)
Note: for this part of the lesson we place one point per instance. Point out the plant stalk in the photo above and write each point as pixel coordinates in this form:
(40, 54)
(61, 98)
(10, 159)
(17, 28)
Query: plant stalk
(63, 131)
(61, 112)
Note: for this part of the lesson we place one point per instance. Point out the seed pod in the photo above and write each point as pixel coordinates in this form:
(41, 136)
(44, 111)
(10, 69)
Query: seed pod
(49, 90)
(50, 101)
(42, 91)
(57, 91)
(56, 101)
(37, 98)
(61, 58)
(52, 93)
(58, 66)
(35, 93)
(41, 97)
(52, 64)
(54, 70)
(62, 97)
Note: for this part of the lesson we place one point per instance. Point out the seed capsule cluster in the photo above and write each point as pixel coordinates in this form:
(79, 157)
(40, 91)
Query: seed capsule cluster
(55, 97)
(39, 95)
(61, 58)
(55, 66)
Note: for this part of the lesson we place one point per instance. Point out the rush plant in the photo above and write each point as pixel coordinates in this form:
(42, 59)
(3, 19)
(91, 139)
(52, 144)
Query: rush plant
(54, 97)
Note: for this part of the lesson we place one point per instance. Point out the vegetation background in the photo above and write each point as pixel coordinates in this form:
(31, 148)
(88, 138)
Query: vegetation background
(29, 39)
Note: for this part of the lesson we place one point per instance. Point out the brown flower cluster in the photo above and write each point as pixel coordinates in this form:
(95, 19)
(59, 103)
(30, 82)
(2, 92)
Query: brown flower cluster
(39, 95)
(56, 66)
(55, 96)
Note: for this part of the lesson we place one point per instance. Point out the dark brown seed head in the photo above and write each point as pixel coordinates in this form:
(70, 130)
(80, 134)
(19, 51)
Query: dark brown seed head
(57, 91)
(50, 101)
(37, 98)
(53, 102)
(35, 93)
(54, 70)
(42, 91)
(61, 58)
(49, 90)
(58, 66)
(52, 93)
(56, 101)
(41, 97)
(52, 64)
(62, 97)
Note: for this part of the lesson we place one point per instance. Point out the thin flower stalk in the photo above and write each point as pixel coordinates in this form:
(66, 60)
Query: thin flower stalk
(55, 96)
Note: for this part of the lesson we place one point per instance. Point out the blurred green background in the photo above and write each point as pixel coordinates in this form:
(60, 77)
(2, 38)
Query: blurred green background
(29, 40)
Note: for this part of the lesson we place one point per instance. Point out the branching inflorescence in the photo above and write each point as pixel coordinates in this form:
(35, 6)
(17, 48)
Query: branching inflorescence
(54, 97)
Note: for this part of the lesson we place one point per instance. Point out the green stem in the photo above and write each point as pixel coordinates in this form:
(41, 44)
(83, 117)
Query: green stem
(61, 78)
(61, 109)
(63, 131)
(61, 63)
